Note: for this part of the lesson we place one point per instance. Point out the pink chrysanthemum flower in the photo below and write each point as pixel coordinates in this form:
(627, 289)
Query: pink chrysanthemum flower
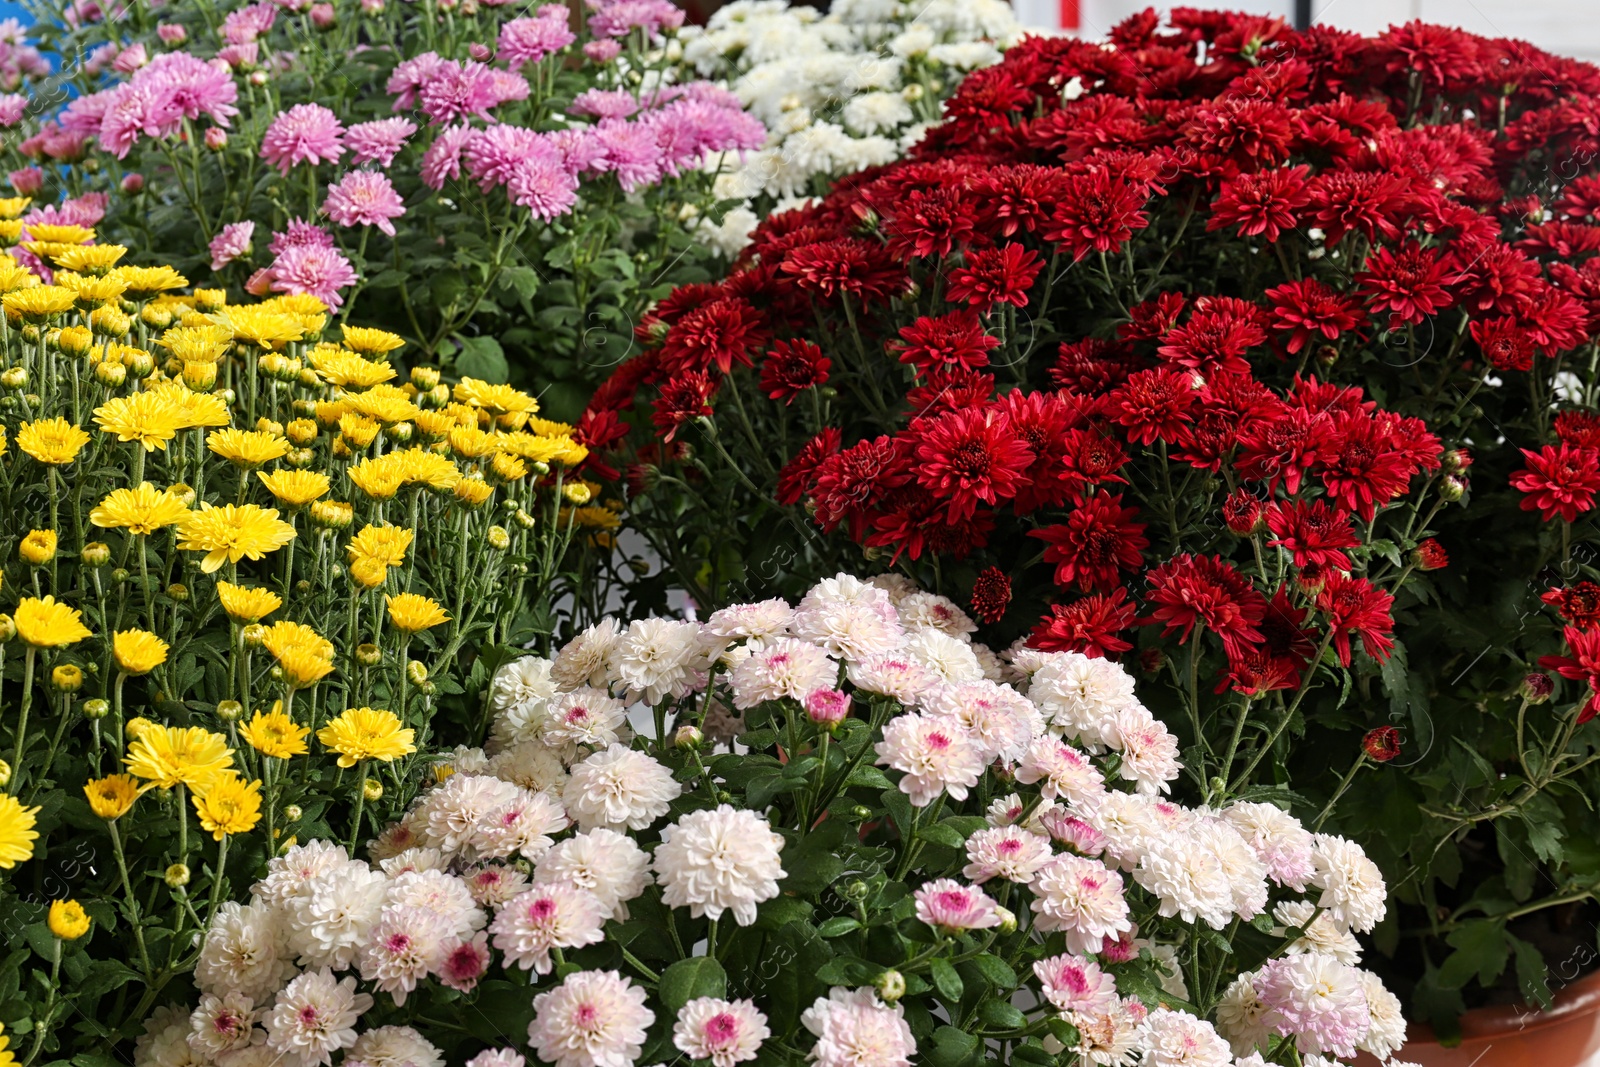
(364, 198)
(592, 1019)
(604, 103)
(1076, 984)
(463, 962)
(545, 188)
(410, 76)
(602, 51)
(1081, 898)
(321, 272)
(300, 233)
(442, 161)
(1063, 772)
(378, 141)
(725, 1032)
(947, 905)
(456, 91)
(528, 40)
(619, 17)
(306, 133)
(1008, 852)
(1317, 1000)
(231, 243)
(934, 755)
(406, 943)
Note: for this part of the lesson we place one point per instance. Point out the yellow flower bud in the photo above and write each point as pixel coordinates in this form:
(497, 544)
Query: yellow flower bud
(67, 678)
(369, 655)
(38, 548)
(177, 875)
(98, 708)
(230, 710)
(110, 375)
(372, 789)
(499, 539)
(67, 920)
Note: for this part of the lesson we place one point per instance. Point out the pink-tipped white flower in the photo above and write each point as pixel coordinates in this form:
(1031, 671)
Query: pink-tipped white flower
(315, 1016)
(1076, 984)
(1008, 852)
(782, 667)
(953, 908)
(1178, 1039)
(725, 1032)
(619, 788)
(855, 1029)
(498, 1057)
(608, 864)
(404, 946)
(463, 962)
(1317, 1000)
(934, 754)
(592, 1019)
(1062, 771)
(1081, 898)
(545, 917)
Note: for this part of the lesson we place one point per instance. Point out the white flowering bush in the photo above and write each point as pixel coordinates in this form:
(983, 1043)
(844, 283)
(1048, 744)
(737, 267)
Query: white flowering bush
(837, 92)
(840, 833)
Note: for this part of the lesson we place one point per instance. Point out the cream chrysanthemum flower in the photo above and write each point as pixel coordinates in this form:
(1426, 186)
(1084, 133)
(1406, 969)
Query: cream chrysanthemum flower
(592, 1019)
(315, 1016)
(725, 1032)
(553, 915)
(719, 860)
(619, 788)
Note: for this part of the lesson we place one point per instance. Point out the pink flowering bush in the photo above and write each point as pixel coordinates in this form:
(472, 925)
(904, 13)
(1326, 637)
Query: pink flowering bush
(841, 833)
(505, 185)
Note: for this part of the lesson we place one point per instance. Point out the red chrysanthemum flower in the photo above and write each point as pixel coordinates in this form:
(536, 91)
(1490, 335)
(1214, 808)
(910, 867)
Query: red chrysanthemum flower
(1263, 204)
(1381, 744)
(1580, 428)
(1578, 604)
(792, 367)
(1153, 318)
(1581, 198)
(1044, 421)
(1274, 662)
(1559, 480)
(799, 474)
(1245, 133)
(1312, 532)
(847, 483)
(957, 339)
(969, 457)
(1280, 450)
(913, 521)
(1505, 344)
(950, 389)
(1096, 544)
(1429, 555)
(1093, 457)
(1356, 607)
(684, 397)
(863, 269)
(1365, 468)
(1582, 666)
(718, 334)
(1494, 278)
(1244, 513)
(1091, 366)
(1021, 197)
(1367, 202)
(1088, 626)
(993, 276)
(1097, 213)
(930, 222)
(1154, 404)
(1206, 590)
(597, 431)
(1307, 309)
(1410, 285)
(1216, 337)
(991, 595)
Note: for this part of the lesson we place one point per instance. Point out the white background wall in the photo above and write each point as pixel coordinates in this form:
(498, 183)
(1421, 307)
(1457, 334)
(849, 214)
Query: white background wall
(1568, 27)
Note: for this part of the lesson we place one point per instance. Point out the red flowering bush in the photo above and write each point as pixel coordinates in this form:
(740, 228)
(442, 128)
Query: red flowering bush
(1180, 352)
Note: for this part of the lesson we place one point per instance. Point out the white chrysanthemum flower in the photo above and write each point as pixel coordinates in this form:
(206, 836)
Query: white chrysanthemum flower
(1149, 750)
(315, 1016)
(1076, 984)
(1112, 1039)
(610, 865)
(498, 1057)
(394, 1046)
(493, 883)
(930, 611)
(993, 669)
(897, 585)
(1186, 877)
(290, 875)
(965, 55)
(406, 943)
(586, 716)
(853, 629)
(1353, 891)
(544, 917)
(1178, 1039)
(592, 1019)
(1129, 822)
(659, 658)
(165, 1041)
(582, 661)
(948, 657)
(246, 951)
(454, 817)
(395, 839)
(1004, 811)
(1000, 721)
(463, 759)
(877, 112)
(855, 1029)
(444, 894)
(532, 765)
(1081, 898)
(843, 589)
(522, 681)
(1278, 838)
(934, 754)
(781, 667)
(222, 1024)
(1316, 999)
(1242, 1016)
(619, 788)
(328, 926)
(1079, 696)
(1008, 852)
(1062, 771)
(522, 826)
(719, 860)
(725, 1032)
(897, 674)
(1386, 1031)
(1322, 933)
(1246, 874)
(413, 859)
(765, 618)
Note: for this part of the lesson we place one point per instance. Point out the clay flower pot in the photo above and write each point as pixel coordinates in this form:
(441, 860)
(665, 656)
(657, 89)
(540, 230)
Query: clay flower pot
(1512, 1035)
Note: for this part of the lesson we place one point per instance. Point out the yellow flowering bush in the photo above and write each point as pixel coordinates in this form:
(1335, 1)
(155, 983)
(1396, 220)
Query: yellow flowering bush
(253, 567)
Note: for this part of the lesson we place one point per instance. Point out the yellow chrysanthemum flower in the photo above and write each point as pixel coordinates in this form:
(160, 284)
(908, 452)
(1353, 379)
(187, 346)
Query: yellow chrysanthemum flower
(60, 233)
(358, 430)
(38, 547)
(12, 207)
(178, 755)
(285, 635)
(418, 466)
(535, 448)
(303, 304)
(140, 511)
(508, 468)
(368, 341)
(246, 603)
(233, 532)
(138, 651)
(412, 612)
(273, 733)
(435, 425)
(91, 259)
(387, 404)
(367, 733)
(572, 453)
(303, 668)
(48, 624)
(197, 344)
(511, 407)
(341, 367)
(145, 282)
(93, 292)
(17, 834)
(40, 303)
(380, 544)
(52, 441)
(150, 418)
(67, 919)
(596, 518)
(262, 326)
(247, 448)
(112, 796)
(473, 492)
(195, 410)
(228, 805)
(295, 488)
(549, 428)
(469, 442)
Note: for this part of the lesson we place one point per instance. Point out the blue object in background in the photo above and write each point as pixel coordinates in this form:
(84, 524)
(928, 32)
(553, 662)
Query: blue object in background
(10, 10)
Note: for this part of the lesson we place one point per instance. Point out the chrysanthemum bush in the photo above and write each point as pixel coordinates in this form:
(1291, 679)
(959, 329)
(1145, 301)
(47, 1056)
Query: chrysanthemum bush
(249, 580)
(838, 92)
(1262, 360)
(844, 833)
(499, 183)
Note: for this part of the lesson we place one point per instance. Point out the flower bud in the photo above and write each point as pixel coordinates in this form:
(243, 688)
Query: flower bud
(332, 514)
(230, 710)
(38, 548)
(1008, 920)
(1244, 513)
(688, 736)
(1429, 556)
(416, 672)
(323, 17)
(74, 341)
(178, 592)
(5, 774)
(156, 316)
(14, 378)
(372, 789)
(120, 575)
(8, 628)
(183, 492)
(133, 184)
(177, 875)
(577, 493)
(1536, 688)
(111, 375)
(827, 707)
(425, 378)
(216, 138)
(1457, 460)
(199, 377)
(292, 813)
(98, 708)
(369, 655)
(140, 364)
(253, 635)
(524, 520)
(1381, 744)
(300, 458)
(498, 538)
(67, 678)
(1453, 488)
(891, 985)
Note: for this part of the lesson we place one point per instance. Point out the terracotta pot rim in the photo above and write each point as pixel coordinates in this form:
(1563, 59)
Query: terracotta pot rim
(1581, 994)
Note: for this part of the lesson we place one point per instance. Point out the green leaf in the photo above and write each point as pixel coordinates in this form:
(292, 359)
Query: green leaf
(952, 1048)
(697, 976)
(870, 777)
(1532, 975)
(482, 357)
(996, 971)
(940, 834)
(524, 281)
(779, 912)
(838, 926)
(1001, 1015)
(946, 980)
(1481, 951)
